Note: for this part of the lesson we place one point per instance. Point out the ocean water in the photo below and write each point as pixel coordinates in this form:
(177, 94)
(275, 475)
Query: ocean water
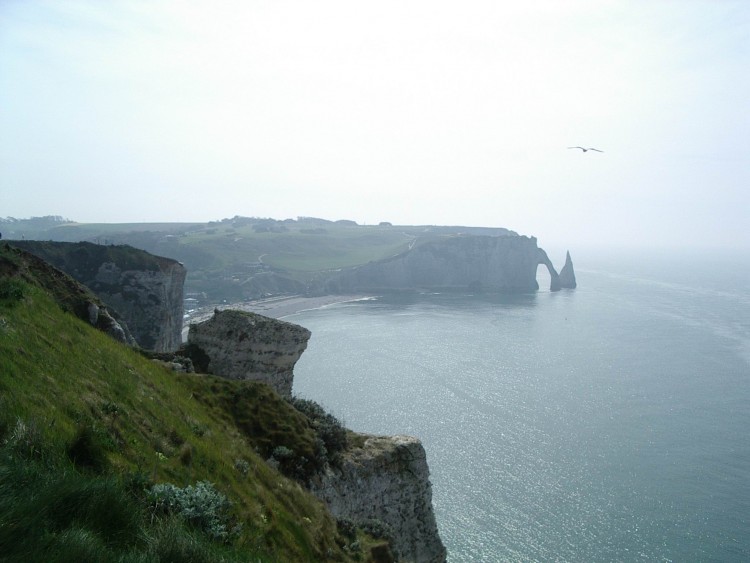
(607, 423)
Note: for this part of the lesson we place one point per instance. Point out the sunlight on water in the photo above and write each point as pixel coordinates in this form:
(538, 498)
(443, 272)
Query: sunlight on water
(606, 423)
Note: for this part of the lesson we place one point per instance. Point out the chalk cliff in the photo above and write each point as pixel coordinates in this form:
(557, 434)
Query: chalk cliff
(486, 263)
(567, 275)
(145, 290)
(71, 295)
(241, 345)
(386, 479)
(379, 477)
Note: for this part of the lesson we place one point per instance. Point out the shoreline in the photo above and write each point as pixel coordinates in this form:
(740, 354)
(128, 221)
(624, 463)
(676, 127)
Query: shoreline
(274, 307)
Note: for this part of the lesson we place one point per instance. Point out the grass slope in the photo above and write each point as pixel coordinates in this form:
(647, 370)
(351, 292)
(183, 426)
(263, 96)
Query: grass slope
(85, 418)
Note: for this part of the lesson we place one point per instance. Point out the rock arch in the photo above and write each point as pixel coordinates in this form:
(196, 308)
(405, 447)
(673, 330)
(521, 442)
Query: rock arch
(554, 284)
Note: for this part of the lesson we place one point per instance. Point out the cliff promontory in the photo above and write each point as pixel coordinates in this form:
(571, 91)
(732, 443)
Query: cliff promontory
(241, 345)
(386, 479)
(145, 290)
(475, 263)
(383, 478)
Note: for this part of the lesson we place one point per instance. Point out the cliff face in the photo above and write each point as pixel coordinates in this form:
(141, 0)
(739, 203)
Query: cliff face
(151, 301)
(242, 345)
(71, 295)
(145, 290)
(387, 479)
(489, 263)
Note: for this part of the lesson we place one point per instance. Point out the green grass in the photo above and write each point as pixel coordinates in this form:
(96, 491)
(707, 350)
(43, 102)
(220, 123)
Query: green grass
(94, 420)
(296, 250)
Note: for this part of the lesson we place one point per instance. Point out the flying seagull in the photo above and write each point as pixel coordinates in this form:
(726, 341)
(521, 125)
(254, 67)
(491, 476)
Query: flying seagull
(586, 149)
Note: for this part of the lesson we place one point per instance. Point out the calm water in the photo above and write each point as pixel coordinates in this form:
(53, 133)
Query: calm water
(609, 423)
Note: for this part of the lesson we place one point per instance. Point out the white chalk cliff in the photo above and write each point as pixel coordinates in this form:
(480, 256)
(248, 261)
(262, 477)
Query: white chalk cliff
(384, 478)
(242, 345)
(505, 263)
(387, 479)
(146, 291)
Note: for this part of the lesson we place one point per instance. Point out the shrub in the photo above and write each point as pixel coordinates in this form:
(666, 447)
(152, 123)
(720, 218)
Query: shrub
(201, 505)
(326, 426)
(346, 528)
(11, 291)
(86, 451)
(377, 529)
(242, 466)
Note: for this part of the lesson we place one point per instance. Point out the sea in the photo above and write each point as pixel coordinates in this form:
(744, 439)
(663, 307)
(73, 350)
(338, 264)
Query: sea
(606, 423)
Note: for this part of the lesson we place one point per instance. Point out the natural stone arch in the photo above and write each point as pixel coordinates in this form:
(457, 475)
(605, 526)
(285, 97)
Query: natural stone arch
(554, 284)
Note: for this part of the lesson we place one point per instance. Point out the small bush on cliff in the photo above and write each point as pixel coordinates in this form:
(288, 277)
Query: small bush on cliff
(327, 427)
(377, 529)
(51, 512)
(201, 505)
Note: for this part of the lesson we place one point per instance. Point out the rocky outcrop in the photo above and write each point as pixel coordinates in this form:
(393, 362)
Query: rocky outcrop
(387, 479)
(241, 345)
(567, 275)
(474, 263)
(554, 283)
(145, 290)
(380, 478)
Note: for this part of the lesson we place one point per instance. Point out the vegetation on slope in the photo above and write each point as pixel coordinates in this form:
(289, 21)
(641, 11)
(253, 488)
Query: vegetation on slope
(107, 456)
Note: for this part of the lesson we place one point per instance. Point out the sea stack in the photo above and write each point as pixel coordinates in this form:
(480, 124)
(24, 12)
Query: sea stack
(567, 275)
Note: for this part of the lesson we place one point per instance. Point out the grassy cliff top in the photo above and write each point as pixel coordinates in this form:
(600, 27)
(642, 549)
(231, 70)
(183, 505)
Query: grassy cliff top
(85, 258)
(85, 417)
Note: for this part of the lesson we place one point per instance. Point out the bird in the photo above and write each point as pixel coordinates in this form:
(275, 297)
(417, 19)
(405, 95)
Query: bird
(586, 149)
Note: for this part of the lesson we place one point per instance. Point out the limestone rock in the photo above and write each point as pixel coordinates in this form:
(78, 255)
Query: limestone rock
(554, 283)
(567, 275)
(151, 301)
(477, 263)
(104, 321)
(242, 345)
(71, 295)
(145, 290)
(387, 479)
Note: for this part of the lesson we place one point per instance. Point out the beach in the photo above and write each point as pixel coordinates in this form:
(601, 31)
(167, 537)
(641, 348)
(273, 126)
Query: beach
(275, 307)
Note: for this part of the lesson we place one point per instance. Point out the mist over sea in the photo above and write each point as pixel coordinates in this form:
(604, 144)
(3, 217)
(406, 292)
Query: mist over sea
(607, 423)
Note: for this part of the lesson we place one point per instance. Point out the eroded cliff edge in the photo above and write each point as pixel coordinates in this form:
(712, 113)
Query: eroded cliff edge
(72, 296)
(505, 264)
(242, 345)
(386, 478)
(377, 477)
(145, 290)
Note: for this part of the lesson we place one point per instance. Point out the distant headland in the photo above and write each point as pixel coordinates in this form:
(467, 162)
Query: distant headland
(249, 258)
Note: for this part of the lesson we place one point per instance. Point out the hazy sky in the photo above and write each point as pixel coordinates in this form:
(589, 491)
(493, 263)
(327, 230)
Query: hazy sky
(414, 112)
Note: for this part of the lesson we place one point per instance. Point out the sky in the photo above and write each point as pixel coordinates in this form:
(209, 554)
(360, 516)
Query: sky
(412, 112)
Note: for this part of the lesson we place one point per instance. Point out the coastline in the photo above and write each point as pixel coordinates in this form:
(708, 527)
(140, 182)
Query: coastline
(274, 307)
